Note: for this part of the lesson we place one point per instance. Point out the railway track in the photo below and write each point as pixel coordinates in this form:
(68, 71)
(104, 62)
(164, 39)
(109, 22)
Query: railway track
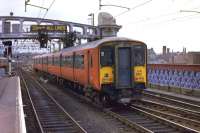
(144, 121)
(30, 118)
(122, 127)
(178, 115)
(184, 104)
(140, 121)
(50, 115)
(190, 100)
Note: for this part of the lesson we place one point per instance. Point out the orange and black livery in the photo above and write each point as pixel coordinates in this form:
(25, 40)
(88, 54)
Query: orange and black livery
(109, 69)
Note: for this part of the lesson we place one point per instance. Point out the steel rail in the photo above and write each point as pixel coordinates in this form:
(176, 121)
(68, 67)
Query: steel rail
(76, 124)
(166, 121)
(173, 126)
(186, 105)
(34, 110)
(127, 122)
(190, 100)
(44, 89)
(191, 114)
(147, 122)
(172, 117)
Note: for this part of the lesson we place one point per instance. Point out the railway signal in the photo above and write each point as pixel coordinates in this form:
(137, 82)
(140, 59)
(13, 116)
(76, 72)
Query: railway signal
(43, 38)
(7, 43)
(8, 53)
(8, 49)
(5, 52)
(69, 39)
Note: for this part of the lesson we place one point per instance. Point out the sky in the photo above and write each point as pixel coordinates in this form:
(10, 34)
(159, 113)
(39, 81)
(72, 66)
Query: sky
(157, 23)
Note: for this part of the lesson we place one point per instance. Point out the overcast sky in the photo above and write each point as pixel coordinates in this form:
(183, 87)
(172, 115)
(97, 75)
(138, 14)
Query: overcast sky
(157, 23)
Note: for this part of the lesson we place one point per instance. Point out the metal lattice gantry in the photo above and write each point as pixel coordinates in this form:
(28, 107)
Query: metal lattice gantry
(11, 27)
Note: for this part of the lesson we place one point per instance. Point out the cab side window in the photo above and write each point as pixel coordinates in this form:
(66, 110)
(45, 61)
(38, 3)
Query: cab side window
(139, 55)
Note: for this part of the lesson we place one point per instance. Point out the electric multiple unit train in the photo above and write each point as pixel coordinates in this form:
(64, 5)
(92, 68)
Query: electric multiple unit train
(109, 69)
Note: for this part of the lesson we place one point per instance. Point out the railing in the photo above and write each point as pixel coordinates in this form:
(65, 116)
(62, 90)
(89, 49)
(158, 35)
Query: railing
(179, 76)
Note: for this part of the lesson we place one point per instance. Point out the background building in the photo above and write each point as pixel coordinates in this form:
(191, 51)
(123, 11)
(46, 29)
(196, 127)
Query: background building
(168, 57)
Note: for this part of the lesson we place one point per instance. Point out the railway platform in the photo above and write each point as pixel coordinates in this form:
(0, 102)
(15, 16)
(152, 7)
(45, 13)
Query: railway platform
(11, 108)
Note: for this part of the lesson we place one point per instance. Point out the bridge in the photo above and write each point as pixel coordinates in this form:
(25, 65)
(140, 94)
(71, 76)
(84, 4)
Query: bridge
(12, 27)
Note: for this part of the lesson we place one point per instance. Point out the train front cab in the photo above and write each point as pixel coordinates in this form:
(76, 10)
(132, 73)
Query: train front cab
(123, 70)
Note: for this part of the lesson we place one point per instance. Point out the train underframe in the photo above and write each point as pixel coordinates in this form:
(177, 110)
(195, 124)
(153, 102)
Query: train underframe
(122, 95)
(107, 96)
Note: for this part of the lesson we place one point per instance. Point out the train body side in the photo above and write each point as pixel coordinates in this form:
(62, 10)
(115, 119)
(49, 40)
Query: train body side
(84, 69)
(3, 62)
(90, 66)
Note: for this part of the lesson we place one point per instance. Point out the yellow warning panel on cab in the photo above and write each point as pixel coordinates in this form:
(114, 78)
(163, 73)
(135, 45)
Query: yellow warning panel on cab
(140, 74)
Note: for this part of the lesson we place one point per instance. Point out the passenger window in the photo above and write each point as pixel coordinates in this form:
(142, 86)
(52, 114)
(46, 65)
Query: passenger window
(79, 61)
(70, 60)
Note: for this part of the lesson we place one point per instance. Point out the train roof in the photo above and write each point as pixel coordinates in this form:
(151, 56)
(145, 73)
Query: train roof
(89, 45)
(97, 43)
(3, 58)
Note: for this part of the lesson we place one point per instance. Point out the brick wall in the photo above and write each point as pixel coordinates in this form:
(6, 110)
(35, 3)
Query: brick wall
(179, 76)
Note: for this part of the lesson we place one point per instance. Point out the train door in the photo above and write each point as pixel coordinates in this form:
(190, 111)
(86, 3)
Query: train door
(74, 68)
(60, 65)
(123, 67)
(90, 65)
(47, 64)
(42, 64)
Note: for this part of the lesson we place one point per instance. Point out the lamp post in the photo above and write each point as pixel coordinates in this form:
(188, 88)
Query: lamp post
(92, 18)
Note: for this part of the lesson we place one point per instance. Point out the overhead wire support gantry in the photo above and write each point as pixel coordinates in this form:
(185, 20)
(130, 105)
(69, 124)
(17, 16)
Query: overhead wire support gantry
(128, 9)
(189, 11)
(101, 5)
(27, 2)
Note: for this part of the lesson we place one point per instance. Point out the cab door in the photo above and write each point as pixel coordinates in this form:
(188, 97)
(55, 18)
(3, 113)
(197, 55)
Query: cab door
(123, 67)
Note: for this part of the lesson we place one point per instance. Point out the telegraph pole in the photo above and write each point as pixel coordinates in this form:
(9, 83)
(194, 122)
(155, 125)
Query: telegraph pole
(92, 17)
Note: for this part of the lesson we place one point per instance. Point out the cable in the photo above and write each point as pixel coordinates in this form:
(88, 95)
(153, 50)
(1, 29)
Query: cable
(186, 17)
(154, 18)
(49, 8)
(162, 16)
(40, 9)
(139, 5)
(178, 19)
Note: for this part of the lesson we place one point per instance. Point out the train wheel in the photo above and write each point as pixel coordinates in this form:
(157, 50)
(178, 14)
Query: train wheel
(105, 100)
